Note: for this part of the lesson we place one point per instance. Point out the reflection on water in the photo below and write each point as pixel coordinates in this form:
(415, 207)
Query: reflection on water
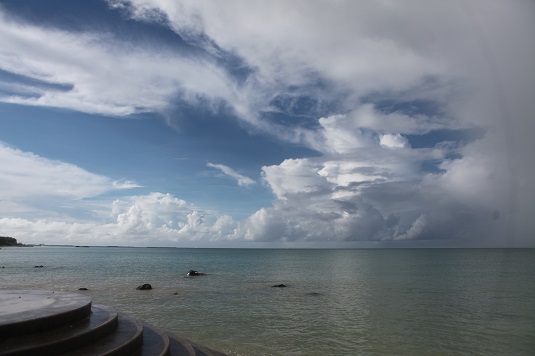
(336, 301)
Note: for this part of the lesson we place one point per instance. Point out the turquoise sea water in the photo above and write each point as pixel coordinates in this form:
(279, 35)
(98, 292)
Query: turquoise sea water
(337, 302)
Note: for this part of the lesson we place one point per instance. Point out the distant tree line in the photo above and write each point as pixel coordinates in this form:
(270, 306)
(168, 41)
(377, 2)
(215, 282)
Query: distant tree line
(9, 241)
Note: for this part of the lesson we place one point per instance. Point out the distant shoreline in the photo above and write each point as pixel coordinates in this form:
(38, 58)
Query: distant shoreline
(6, 241)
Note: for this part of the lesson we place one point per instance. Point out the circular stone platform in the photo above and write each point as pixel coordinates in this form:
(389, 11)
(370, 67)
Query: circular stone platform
(34, 309)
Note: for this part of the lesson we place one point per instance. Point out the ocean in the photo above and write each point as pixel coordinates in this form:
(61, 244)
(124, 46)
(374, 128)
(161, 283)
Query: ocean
(336, 302)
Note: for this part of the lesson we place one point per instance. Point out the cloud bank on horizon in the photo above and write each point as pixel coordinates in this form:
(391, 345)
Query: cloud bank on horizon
(417, 118)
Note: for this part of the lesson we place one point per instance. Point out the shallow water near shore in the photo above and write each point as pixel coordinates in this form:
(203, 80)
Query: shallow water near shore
(346, 302)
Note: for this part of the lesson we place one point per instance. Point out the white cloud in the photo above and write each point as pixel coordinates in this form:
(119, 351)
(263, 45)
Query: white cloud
(352, 37)
(167, 217)
(155, 219)
(394, 141)
(355, 49)
(25, 176)
(417, 228)
(293, 176)
(343, 135)
(368, 185)
(101, 74)
(240, 179)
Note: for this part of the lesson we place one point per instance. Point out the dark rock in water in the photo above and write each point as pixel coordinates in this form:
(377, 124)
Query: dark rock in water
(145, 286)
(279, 286)
(193, 273)
(83, 288)
(41, 266)
(175, 293)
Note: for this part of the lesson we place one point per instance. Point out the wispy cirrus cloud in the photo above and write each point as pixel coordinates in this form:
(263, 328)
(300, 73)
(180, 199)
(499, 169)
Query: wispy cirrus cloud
(29, 179)
(240, 179)
(95, 72)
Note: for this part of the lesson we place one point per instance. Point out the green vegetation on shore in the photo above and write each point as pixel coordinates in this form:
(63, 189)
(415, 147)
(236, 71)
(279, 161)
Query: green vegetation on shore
(10, 241)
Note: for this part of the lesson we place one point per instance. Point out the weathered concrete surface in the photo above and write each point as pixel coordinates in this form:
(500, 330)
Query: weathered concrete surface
(31, 304)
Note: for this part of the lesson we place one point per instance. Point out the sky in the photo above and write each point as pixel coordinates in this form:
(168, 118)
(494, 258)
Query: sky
(297, 124)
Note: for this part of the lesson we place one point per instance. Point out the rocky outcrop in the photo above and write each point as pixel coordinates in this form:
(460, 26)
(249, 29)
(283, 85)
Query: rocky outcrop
(145, 286)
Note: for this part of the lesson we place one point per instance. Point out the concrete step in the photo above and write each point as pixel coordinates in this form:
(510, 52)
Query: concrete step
(125, 340)
(102, 321)
(180, 346)
(23, 311)
(155, 341)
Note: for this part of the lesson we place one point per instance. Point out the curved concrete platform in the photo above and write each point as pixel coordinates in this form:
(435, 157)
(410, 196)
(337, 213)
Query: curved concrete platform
(56, 323)
(103, 321)
(25, 311)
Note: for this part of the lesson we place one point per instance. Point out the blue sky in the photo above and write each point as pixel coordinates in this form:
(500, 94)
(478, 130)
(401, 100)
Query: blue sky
(267, 123)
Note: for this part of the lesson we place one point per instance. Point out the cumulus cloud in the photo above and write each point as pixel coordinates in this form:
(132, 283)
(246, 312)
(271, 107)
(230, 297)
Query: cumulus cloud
(168, 217)
(155, 219)
(293, 176)
(378, 192)
(240, 179)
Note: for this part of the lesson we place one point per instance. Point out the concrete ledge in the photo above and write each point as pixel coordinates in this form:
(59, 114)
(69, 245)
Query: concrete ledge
(27, 311)
(103, 321)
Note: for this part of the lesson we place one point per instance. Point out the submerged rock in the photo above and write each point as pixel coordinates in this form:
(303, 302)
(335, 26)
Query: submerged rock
(83, 288)
(41, 266)
(193, 273)
(279, 286)
(145, 286)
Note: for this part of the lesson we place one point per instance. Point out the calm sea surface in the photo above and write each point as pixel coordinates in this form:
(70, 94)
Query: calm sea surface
(337, 302)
